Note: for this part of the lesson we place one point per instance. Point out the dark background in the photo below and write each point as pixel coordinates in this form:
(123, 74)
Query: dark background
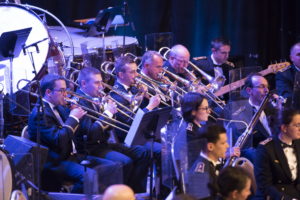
(264, 27)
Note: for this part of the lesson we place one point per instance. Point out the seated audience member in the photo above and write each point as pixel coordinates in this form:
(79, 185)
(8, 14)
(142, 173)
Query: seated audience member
(234, 183)
(118, 192)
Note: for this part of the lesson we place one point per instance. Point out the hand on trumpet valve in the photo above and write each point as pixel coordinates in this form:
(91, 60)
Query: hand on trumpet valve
(110, 106)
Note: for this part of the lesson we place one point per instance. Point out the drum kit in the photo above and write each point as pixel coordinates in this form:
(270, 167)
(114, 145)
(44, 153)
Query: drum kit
(45, 48)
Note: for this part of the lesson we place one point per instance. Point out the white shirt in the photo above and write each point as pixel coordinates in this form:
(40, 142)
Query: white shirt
(215, 163)
(290, 155)
(218, 70)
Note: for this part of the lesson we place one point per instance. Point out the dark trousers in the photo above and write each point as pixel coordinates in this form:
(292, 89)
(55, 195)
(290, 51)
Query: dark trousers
(135, 161)
(72, 170)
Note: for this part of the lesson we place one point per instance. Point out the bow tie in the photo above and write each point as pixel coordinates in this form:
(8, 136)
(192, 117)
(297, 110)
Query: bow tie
(284, 145)
(217, 65)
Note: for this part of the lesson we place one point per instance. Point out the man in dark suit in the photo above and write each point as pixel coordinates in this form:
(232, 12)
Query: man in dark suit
(217, 64)
(256, 87)
(285, 80)
(56, 127)
(204, 171)
(277, 166)
(126, 71)
(134, 160)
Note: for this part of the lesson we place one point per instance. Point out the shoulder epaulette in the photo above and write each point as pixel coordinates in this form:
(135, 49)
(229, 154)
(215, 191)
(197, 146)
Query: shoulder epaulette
(200, 58)
(266, 141)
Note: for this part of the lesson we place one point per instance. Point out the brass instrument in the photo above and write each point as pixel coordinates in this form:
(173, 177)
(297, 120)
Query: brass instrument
(207, 92)
(72, 101)
(108, 68)
(96, 103)
(216, 82)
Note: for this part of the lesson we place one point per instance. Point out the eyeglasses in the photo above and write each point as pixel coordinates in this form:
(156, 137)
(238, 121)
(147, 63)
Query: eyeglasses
(181, 61)
(261, 87)
(62, 90)
(205, 108)
(295, 125)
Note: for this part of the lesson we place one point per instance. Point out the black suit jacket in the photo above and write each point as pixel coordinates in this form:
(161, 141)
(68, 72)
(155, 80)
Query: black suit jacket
(90, 128)
(120, 117)
(285, 83)
(242, 110)
(272, 172)
(57, 137)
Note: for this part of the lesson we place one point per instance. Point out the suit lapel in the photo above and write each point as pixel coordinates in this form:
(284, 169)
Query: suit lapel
(297, 151)
(281, 157)
(50, 112)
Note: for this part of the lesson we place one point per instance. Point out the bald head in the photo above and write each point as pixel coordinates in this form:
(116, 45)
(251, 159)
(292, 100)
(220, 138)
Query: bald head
(180, 50)
(295, 55)
(179, 58)
(118, 192)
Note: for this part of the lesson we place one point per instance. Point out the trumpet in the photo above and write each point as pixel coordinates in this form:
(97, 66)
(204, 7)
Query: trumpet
(216, 82)
(72, 101)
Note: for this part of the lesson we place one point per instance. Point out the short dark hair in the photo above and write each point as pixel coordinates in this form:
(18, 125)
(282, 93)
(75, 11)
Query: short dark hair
(190, 102)
(287, 115)
(148, 57)
(48, 82)
(86, 72)
(232, 178)
(121, 63)
(210, 134)
(218, 42)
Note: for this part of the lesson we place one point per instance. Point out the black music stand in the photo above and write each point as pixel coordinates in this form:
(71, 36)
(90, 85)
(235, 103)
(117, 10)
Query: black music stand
(11, 43)
(146, 127)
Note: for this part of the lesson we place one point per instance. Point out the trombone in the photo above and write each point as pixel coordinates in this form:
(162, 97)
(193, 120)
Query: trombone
(207, 92)
(72, 101)
(76, 95)
(216, 82)
(131, 98)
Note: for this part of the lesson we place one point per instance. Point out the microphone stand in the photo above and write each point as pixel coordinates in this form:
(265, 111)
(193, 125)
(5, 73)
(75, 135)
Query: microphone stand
(41, 111)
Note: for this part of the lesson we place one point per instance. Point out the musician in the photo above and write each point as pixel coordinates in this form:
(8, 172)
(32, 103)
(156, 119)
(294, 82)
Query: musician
(126, 71)
(134, 160)
(178, 60)
(277, 161)
(217, 63)
(285, 80)
(234, 183)
(186, 132)
(56, 127)
(213, 143)
(256, 87)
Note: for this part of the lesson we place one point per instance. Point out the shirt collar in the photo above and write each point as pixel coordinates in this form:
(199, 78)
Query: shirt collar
(125, 86)
(215, 163)
(50, 104)
(251, 104)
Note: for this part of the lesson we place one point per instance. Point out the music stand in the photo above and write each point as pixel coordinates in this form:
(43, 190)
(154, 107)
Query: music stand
(11, 43)
(147, 126)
